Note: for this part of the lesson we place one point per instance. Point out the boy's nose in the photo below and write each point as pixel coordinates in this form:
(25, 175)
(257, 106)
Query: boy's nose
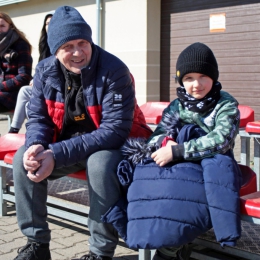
(196, 83)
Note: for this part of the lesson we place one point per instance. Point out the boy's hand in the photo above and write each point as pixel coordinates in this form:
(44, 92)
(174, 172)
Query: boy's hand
(164, 155)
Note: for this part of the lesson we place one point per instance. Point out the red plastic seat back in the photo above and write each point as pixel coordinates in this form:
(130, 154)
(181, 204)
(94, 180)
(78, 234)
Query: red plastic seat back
(9, 158)
(249, 197)
(153, 111)
(253, 127)
(250, 204)
(10, 143)
(79, 175)
(247, 115)
(248, 180)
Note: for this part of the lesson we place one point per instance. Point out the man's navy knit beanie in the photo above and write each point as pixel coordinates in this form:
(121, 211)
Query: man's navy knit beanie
(198, 58)
(66, 25)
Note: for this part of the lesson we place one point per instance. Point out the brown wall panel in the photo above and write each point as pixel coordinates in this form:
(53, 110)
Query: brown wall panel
(237, 49)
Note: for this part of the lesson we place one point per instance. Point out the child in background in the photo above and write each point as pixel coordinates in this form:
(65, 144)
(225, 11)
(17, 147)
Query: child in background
(200, 102)
(26, 91)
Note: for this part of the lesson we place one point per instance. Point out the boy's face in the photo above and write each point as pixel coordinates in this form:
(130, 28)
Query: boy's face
(197, 85)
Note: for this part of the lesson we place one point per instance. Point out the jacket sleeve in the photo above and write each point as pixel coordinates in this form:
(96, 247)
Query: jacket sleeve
(19, 71)
(115, 124)
(39, 127)
(220, 139)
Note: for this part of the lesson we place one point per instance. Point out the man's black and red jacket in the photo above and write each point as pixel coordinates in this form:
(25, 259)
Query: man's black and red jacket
(109, 98)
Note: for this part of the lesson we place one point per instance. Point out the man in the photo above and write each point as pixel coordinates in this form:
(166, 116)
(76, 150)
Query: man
(81, 111)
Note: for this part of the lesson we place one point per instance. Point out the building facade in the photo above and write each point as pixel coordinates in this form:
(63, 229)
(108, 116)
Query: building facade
(148, 35)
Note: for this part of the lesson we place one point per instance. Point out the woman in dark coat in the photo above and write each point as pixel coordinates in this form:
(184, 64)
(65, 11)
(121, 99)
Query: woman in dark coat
(16, 62)
(24, 95)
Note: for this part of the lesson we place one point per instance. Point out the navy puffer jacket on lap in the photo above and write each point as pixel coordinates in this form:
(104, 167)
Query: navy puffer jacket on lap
(172, 205)
(167, 206)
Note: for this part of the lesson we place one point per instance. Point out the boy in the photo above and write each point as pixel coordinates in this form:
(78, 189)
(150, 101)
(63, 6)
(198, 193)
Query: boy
(200, 102)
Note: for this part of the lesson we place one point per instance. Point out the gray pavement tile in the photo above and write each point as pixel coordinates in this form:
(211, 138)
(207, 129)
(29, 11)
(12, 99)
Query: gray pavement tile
(63, 232)
(9, 236)
(10, 227)
(2, 222)
(56, 246)
(70, 241)
(8, 220)
(57, 224)
(8, 256)
(2, 232)
(55, 236)
(77, 237)
(56, 256)
(12, 245)
(122, 252)
(75, 251)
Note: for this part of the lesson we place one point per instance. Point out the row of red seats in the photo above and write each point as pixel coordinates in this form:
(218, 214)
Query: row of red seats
(250, 203)
(250, 198)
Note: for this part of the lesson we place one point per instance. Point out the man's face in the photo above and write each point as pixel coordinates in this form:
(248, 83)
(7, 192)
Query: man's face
(75, 55)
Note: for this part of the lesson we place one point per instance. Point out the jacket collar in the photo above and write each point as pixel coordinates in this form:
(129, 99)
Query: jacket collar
(53, 76)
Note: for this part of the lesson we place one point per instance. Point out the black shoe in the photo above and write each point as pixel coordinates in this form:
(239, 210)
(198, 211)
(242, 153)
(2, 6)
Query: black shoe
(14, 130)
(92, 256)
(182, 254)
(34, 251)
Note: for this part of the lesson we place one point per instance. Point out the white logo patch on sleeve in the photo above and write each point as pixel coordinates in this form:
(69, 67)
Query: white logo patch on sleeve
(117, 100)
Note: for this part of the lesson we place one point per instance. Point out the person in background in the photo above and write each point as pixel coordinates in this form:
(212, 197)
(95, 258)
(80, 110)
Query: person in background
(16, 62)
(25, 92)
(81, 111)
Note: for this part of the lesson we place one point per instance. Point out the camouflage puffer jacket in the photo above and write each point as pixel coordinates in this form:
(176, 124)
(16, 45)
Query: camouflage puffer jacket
(221, 124)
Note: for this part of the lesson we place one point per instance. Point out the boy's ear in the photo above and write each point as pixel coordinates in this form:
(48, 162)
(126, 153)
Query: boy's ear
(175, 78)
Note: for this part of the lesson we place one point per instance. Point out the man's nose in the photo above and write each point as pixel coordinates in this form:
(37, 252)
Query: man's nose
(77, 51)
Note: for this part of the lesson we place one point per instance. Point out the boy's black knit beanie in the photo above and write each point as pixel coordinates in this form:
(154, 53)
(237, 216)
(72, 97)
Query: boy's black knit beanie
(66, 25)
(199, 58)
